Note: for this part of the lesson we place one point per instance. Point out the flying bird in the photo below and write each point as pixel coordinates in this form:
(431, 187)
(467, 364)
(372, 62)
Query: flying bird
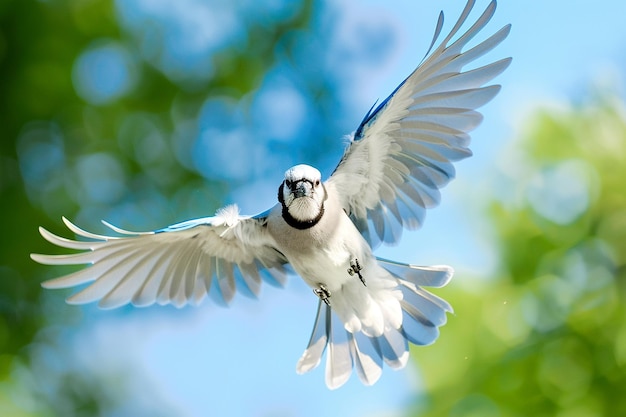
(369, 309)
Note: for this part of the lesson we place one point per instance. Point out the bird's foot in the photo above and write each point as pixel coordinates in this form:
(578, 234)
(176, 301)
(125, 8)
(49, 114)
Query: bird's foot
(356, 268)
(323, 293)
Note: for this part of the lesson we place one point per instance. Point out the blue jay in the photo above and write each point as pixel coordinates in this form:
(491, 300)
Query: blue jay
(369, 309)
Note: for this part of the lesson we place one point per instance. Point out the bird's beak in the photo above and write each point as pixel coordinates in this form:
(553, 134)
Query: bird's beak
(301, 189)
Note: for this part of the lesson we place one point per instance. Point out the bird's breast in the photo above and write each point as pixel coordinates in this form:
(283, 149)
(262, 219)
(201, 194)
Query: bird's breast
(322, 253)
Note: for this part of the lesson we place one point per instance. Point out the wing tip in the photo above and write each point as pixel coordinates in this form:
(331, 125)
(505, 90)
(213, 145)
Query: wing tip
(46, 285)
(49, 259)
(54, 284)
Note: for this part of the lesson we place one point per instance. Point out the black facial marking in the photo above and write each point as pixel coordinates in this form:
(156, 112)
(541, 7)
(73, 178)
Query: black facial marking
(291, 221)
(293, 185)
(299, 224)
(281, 200)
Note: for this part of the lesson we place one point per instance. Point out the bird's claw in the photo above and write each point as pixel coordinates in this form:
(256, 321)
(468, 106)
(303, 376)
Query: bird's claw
(356, 268)
(323, 293)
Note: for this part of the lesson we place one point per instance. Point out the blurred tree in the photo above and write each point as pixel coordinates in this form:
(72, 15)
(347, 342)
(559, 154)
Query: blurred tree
(546, 336)
(97, 123)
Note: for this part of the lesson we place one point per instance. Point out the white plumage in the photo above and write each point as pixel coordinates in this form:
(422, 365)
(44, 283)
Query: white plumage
(369, 309)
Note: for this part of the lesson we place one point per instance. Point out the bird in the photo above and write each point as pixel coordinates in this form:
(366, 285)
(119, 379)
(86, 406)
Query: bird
(369, 309)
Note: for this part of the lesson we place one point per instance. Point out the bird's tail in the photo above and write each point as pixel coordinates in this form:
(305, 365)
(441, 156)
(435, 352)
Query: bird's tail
(422, 314)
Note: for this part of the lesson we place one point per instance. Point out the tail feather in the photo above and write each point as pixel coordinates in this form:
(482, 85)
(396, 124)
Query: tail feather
(431, 307)
(312, 356)
(368, 361)
(416, 328)
(435, 276)
(339, 360)
(422, 314)
(394, 348)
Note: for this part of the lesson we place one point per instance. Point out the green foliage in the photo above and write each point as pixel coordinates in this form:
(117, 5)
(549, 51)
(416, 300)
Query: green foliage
(546, 336)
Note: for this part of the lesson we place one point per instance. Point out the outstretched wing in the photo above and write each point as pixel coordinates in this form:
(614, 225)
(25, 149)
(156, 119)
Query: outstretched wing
(179, 264)
(402, 152)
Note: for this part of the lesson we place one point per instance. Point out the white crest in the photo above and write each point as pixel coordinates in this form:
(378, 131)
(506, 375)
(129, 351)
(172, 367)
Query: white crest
(302, 171)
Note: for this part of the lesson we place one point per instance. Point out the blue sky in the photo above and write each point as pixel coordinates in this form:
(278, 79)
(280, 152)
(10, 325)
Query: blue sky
(241, 361)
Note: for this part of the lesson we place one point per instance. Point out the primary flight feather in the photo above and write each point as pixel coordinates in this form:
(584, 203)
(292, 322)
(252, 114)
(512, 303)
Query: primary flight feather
(369, 309)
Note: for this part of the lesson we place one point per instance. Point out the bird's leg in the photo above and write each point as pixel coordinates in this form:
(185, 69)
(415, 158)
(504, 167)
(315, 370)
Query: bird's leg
(323, 293)
(356, 268)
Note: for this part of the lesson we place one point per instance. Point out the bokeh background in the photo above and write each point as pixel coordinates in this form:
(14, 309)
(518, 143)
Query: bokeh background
(150, 112)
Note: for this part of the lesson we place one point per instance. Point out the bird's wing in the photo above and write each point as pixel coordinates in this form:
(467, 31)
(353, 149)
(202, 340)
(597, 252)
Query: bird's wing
(179, 264)
(402, 152)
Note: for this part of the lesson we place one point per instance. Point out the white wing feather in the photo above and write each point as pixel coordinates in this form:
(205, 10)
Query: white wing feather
(178, 265)
(402, 153)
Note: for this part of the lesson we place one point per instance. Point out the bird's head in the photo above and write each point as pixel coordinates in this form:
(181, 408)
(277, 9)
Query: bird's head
(302, 194)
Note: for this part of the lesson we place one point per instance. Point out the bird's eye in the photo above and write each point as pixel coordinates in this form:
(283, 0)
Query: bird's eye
(317, 182)
(288, 183)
